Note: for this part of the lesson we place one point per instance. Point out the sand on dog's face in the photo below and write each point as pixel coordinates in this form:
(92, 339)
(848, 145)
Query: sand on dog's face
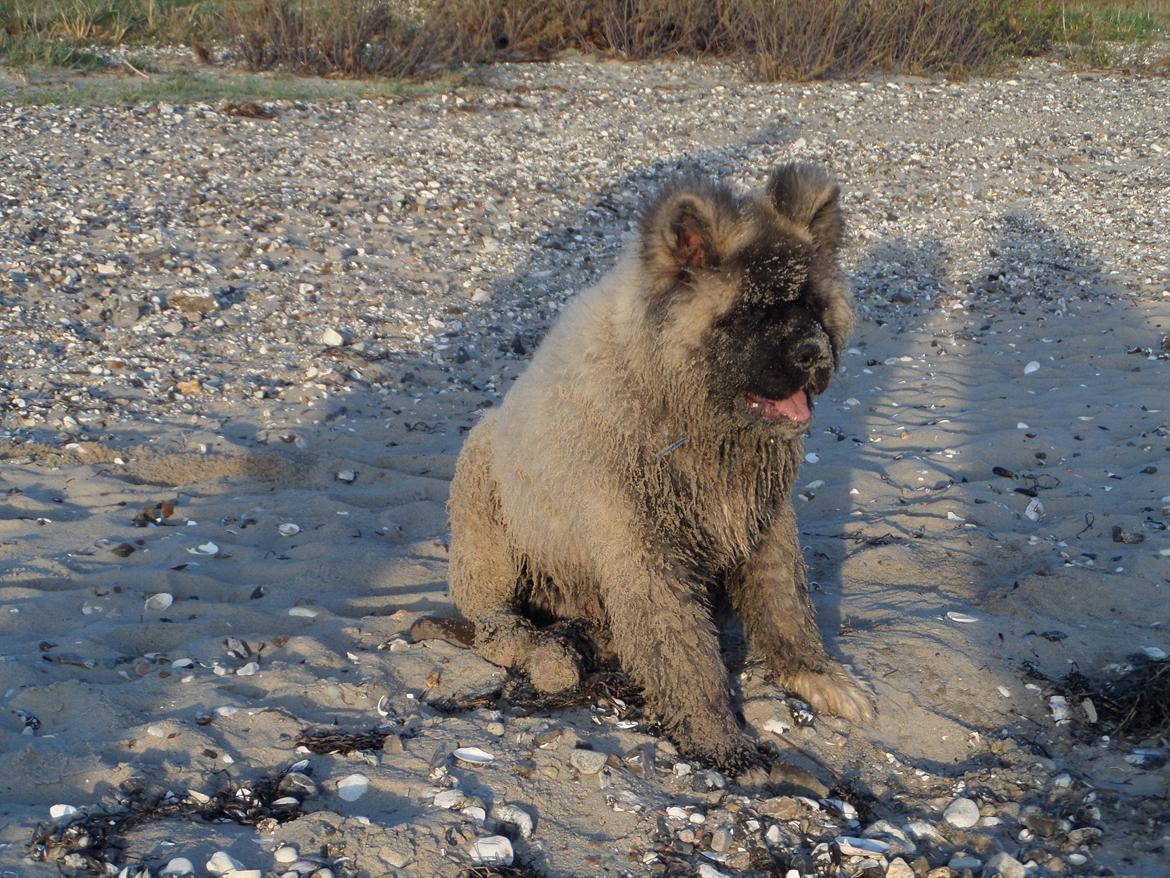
(758, 313)
(647, 455)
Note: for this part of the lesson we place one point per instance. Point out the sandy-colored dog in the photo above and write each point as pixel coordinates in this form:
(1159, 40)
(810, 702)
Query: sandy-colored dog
(646, 459)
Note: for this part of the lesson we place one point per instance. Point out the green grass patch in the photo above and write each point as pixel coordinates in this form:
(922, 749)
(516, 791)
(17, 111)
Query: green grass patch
(27, 51)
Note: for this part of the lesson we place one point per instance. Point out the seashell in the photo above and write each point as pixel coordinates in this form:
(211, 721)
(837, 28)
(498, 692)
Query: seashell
(352, 787)
(59, 811)
(492, 850)
(961, 617)
(205, 549)
(1034, 509)
(285, 854)
(1031, 367)
(289, 529)
(221, 863)
(517, 816)
(473, 756)
(860, 847)
(247, 670)
(160, 601)
(346, 475)
(304, 612)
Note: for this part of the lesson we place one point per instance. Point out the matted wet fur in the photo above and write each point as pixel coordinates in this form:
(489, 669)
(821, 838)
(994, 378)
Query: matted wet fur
(646, 458)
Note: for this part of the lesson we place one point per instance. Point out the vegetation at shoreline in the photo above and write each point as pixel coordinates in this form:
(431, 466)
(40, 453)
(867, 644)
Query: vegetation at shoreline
(779, 39)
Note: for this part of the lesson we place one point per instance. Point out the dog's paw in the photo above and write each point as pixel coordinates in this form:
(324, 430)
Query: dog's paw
(832, 692)
(553, 666)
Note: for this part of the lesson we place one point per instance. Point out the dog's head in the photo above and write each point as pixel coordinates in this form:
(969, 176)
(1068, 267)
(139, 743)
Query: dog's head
(745, 294)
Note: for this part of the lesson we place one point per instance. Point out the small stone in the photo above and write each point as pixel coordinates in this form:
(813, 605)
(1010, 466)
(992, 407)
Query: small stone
(961, 861)
(450, 799)
(332, 338)
(899, 868)
(1004, 865)
(285, 854)
(587, 761)
(773, 835)
(963, 813)
(515, 816)
(221, 862)
(721, 839)
(177, 868)
(352, 787)
(782, 807)
(493, 850)
(495, 727)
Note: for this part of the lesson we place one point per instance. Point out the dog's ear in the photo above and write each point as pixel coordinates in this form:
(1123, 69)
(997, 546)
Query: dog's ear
(807, 196)
(689, 227)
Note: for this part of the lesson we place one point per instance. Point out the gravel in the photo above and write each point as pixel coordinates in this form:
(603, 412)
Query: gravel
(174, 274)
(168, 265)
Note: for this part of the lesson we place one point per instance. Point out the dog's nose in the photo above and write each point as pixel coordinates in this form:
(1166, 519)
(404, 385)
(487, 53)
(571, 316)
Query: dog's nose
(808, 355)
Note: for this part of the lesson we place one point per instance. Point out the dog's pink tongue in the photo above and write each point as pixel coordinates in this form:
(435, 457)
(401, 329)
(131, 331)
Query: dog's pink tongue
(794, 408)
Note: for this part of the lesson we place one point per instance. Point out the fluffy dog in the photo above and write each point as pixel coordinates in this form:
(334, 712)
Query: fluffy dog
(645, 461)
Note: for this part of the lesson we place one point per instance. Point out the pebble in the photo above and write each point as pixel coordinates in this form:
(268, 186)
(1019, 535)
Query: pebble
(587, 761)
(59, 811)
(721, 839)
(450, 799)
(517, 816)
(352, 787)
(1004, 865)
(899, 868)
(177, 868)
(221, 863)
(963, 813)
(285, 854)
(492, 850)
(962, 861)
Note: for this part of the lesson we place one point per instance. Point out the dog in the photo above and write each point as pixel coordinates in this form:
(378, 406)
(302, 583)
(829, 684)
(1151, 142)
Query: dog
(642, 466)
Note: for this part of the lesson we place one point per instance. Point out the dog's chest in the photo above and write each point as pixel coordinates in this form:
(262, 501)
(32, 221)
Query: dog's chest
(711, 508)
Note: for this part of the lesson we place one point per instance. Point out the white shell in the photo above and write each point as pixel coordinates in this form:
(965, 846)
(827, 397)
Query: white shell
(777, 726)
(516, 815)
(305, 612)
(860, 847)
(1031, 367)
(492, 850)
(1034, 510)
(178, 866)
(205, 549)
(473, 755)
(159, 601)
(289, 529)
(286, 854)
(58, 811)
(247, 670)
(352, 787)
(221, 862)
(961, 617)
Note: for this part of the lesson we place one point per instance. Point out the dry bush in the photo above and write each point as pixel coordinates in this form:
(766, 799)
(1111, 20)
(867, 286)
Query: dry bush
(350, 37)
(781, 38)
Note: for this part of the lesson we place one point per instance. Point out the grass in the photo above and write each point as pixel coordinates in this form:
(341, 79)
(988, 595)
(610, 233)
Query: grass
(790, 39)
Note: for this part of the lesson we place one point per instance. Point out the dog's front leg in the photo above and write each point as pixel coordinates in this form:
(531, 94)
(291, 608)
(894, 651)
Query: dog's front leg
(666, 641)
(770, 594)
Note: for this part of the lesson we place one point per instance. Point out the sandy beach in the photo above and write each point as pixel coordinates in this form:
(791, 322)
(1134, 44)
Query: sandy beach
(238, 357)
